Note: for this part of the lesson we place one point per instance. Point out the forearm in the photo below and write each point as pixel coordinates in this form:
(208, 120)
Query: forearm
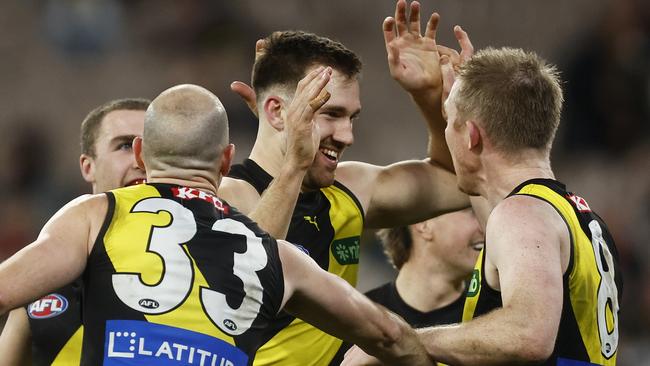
(355, 319)
(15, 339)
(430, 105)
(493, 339)
(274, 209)
(334, 306)
(399, 347)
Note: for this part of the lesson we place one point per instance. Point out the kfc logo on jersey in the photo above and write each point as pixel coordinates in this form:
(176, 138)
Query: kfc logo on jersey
(185, 193)
(580, 203)
(47, 307)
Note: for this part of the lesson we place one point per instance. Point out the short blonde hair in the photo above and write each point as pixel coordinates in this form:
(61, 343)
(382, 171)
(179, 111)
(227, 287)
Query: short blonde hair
(515, 94)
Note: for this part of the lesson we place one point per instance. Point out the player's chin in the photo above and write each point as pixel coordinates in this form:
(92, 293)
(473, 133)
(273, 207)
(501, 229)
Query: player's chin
(467, 187)
(319, 180)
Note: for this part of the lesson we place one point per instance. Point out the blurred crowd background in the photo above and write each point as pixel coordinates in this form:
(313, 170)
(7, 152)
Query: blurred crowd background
(61, 58)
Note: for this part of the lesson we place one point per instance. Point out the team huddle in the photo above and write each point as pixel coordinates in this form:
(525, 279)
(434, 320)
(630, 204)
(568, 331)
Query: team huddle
(179, 258)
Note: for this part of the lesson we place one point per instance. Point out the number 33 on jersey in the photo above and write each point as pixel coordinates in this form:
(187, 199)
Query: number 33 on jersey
(178, 277)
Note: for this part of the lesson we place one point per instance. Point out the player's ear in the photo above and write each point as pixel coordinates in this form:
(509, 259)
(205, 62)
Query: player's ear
(424, 229)
(87, 166)
(474, 140)
(273, 109)
(226, 159)
(137, 151)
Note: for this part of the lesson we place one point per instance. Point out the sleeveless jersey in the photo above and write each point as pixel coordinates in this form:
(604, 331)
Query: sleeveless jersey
(588, 332)
(55, 326)
(178, 277)
(327, 224)
(388, 296)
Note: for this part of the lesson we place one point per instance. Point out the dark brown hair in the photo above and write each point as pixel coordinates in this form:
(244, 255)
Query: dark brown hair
(289, 54)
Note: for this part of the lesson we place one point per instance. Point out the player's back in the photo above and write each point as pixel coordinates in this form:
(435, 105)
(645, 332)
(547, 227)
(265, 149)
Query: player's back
(588, 330)
(178, 277)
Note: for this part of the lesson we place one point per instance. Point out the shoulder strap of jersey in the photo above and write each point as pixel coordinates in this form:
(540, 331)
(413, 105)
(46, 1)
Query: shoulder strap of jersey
(252, 173)
(349, 193)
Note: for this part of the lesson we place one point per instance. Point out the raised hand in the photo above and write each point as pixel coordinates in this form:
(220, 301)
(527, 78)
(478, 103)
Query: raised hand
(246, 93)
(301, 132)
(451, 60)
(244, 90)
(413, 59)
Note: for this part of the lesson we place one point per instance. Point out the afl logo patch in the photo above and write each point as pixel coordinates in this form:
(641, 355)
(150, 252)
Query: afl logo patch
(149, 303)
(230, 324)
(48, 307)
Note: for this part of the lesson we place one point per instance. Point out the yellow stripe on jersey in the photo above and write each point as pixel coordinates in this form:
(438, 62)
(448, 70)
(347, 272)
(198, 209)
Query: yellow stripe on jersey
(474, 289)
(70, 354)
(136, 228)
(301, 344)
(584, 277)
(347, 221)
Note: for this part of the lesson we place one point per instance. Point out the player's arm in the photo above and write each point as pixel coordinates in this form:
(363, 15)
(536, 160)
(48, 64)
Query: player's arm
(16, 339)
(275, 207)
(402, 193)
(412, 191)
(413, 61)
(239, 193)
(331, 304)
(523, 238)
(57, 257)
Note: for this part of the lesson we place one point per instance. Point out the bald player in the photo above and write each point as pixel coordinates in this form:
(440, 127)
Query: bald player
(175, 275)
(49, 331)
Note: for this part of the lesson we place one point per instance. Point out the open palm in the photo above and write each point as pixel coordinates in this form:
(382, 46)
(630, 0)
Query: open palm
(413, 59)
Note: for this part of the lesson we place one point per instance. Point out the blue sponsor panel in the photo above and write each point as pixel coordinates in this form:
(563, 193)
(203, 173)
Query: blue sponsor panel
(133, 342)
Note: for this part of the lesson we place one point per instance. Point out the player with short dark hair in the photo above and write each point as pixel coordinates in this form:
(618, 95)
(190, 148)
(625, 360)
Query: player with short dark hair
(295, 184)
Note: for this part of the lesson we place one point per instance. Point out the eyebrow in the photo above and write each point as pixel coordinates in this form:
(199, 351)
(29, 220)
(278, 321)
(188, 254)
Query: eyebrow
(341, 110)
(122, 138)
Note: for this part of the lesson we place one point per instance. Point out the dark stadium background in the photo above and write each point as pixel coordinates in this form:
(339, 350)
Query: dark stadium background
(61, 58)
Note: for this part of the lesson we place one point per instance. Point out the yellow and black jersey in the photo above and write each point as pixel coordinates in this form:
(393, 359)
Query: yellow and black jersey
(55, 326)
(588, 332)
(327, 225)
(178, 277)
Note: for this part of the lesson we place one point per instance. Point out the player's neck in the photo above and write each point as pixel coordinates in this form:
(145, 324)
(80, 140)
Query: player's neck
(267, 152)
(504, 175)
(427, 290)
(203, 182)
